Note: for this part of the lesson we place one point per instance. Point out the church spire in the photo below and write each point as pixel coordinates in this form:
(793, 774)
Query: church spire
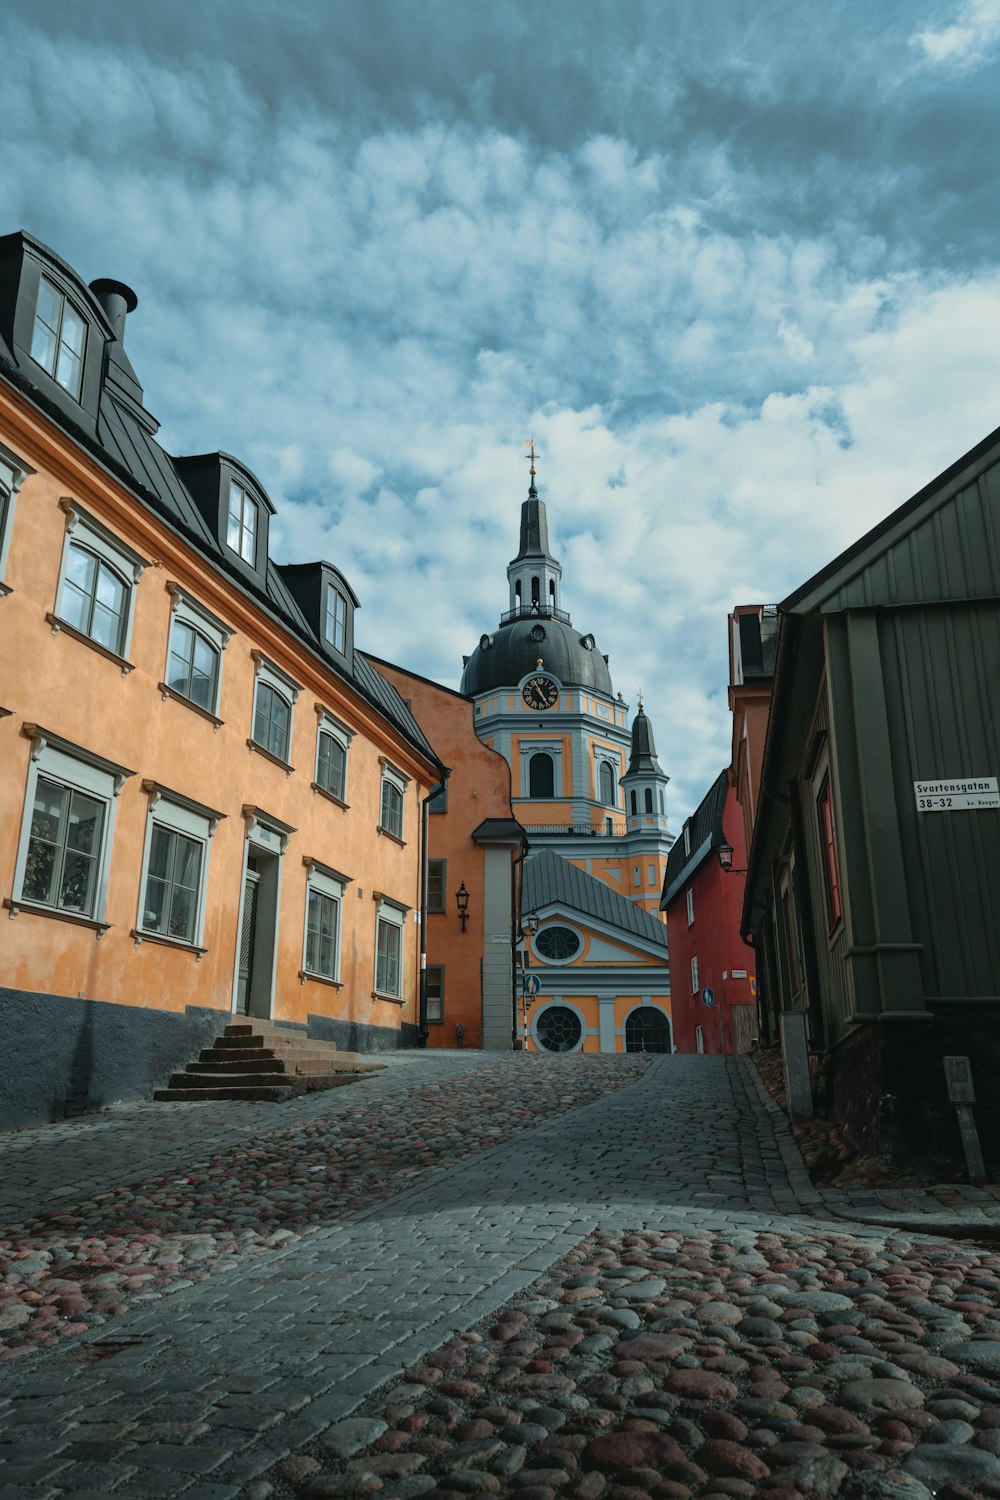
(534, 575)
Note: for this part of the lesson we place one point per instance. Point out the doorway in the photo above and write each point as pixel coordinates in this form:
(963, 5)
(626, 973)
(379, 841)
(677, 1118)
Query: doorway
(258, 934)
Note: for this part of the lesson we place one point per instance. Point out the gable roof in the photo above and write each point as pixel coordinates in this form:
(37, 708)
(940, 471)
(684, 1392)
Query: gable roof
(705, 824)
(551, 880)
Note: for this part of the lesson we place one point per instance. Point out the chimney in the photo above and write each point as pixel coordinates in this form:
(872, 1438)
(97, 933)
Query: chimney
(117, 300)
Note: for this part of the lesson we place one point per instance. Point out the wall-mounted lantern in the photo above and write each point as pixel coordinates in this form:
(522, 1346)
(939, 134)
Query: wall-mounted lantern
(462, 902)
(725, 853)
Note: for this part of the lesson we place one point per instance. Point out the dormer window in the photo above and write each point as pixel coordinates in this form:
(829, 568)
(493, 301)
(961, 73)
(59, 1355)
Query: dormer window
(241, 532)
(59, 339)
(335, 619)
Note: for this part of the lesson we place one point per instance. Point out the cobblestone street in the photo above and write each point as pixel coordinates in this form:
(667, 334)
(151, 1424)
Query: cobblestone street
(486, 1274)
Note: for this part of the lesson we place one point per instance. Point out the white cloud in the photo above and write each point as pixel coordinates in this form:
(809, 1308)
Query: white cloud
(963, 42)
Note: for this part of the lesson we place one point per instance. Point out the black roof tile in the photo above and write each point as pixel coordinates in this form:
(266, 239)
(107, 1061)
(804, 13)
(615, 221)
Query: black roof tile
(551, 880)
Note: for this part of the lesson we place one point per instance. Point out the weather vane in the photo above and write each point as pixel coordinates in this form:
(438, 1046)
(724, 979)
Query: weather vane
(530, 443)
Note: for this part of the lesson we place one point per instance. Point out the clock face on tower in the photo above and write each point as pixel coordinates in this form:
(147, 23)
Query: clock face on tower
(540, 693)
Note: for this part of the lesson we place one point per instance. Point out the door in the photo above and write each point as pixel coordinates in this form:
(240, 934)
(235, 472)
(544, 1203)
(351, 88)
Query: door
(248, 934)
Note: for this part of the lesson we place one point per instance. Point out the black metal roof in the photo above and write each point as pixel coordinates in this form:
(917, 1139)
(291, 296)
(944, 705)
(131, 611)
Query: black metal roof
(126, 447)
(512, 652)
(705, 825)
(551, 880)
(642, 760)
(534, 528)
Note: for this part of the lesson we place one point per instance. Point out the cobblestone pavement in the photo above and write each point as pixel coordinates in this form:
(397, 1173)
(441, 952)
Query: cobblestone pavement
(203, 1387)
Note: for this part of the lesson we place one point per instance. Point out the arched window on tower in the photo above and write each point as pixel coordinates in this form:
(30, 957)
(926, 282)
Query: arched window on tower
(607, 784)
(541, 776)
(535, 591)
(663, 809)
(517, 591)
(552, 591)
(635, 805)
(648, 799)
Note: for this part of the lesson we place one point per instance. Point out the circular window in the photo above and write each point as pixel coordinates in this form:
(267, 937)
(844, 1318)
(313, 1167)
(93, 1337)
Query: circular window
(558, 1029)
(557, 942)
(537, 633)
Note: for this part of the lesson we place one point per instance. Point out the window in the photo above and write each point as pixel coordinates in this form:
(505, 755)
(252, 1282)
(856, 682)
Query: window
(59, 339)
(558, 1029)
(695, 986)
(633, 803)
(193, 666)
(541, 776)
(828, 839)
(241, 528)
(557, 943)
(389, 950)
(439, 804)
(335, 619)
(636, 875)
(97, 578)
(647, 798)
(436, 878)
(647, 1029)
(650, 874)
(435, 993)
(324, 895)
(66, 833)
(390, 818)
(274, 698)
(659, 795)
(690, 907)
(174, 868)
(791, 945)
(331, 764)
(687, 839)
(607, 784)
(13, 473)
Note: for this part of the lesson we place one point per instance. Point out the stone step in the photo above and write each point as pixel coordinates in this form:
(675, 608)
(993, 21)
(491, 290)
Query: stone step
(264, 1093)
(213, 1062)
(236, 1079)
(244, 1039)
(238, 1055)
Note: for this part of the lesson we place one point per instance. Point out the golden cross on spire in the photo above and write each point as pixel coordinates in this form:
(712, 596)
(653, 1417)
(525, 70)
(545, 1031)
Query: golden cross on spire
(640, 698)
(530, 443)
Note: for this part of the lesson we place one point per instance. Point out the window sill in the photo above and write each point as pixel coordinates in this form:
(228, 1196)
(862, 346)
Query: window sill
(5, 589)
(141, 936)
(86, 640)
(330, 796)
(390, 999)
(385, 832)
(16, 907)
(275, 760)
(169, 692)
(307, 974)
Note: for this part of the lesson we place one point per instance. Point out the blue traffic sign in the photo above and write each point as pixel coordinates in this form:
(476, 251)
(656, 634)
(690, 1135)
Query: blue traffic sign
(532, 984)
(707, 996)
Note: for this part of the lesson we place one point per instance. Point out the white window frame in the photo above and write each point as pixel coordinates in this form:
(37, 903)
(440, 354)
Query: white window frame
(177, 814)
(78, 769)
(392, 776)
(13, 472)
(695, 985)
(74, 391)
(392, 914)
(85, 530)
(337, 595)
(186, 610)
(330, 883)
(687, 840)
(248, 505)
(328, 723)
(690, 905)
(266, 672)
(601, 759)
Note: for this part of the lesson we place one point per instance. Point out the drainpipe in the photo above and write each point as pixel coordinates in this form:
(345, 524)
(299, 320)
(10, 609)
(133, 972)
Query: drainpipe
(515, 936)
(422, 1009)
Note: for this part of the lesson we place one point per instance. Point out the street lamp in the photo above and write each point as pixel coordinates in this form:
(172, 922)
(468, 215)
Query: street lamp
(529, 924)
(725, 853)
(462, 902)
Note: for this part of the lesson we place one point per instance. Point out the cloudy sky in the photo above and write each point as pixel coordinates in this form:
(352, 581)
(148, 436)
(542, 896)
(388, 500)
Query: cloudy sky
(736, 265)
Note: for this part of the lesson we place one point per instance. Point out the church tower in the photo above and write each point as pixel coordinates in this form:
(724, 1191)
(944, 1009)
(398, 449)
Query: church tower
(544, 699)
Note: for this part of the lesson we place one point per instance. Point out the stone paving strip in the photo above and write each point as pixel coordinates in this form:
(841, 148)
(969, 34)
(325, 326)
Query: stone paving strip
(206, 1389)
(74, 1265)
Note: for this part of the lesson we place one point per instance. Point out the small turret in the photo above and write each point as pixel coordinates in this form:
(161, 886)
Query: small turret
(645, 781)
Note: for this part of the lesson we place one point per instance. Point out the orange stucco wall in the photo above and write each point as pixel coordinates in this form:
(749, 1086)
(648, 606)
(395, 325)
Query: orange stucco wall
(478, 788)
(69, 688)
(589, 1009)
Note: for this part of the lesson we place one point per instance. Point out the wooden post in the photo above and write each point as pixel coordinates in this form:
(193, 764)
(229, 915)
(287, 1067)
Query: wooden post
(962, 1093)
(795, 1052)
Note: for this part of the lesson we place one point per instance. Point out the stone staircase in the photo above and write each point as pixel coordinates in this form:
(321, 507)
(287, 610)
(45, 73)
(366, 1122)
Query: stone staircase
(258, 1060)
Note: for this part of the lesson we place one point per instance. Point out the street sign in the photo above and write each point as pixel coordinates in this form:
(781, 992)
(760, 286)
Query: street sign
(957, 796)
(707, 996)
(532, 984)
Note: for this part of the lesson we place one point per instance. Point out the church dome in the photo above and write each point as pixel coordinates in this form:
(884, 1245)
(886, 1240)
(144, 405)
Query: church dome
(512, 652)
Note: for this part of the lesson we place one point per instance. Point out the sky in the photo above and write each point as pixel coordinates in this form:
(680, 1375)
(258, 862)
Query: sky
(736, 267)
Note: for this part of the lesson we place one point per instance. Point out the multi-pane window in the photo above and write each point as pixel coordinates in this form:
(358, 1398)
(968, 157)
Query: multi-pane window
(690, 907)
(241, 530)
(828, 838)
(59, 339)
(64, 848)
(436, 876)
(388, 945)
(439, 803)
(272, 720)
(694, 975)
(391, 813)
(322, 933)
(94, 598)
(193, 665)
(435, 993)
(335, 619)
(173, 877)
(331, 764)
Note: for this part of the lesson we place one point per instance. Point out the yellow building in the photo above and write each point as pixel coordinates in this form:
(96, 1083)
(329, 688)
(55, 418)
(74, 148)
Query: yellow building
(211, 801)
